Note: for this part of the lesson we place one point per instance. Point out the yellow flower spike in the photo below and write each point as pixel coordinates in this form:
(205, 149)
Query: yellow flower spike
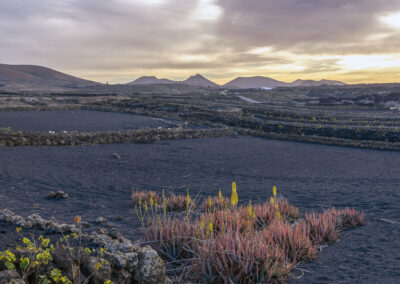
(146, 208)
(209, 202)
(151, 200)
(202, 222)
(276, 206)
(272, 200)
(187, 198)
(210, 226)
(278, 215)
(250, 208)
(140, 201)
(274, 190)
(220, 195)
(234, 196)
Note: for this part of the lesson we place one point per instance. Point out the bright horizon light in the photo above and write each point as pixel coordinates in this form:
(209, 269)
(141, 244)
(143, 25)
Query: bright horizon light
(392, 20)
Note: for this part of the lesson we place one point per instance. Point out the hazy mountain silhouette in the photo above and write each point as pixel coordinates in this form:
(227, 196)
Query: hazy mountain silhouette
(308, 83)
(40, 76)
(254, 82)
(150, 80)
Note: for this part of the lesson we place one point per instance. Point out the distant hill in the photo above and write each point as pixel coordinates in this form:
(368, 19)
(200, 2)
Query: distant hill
(150, 80)
(266, 82)
(308, 83)
(198, 80)
(32, 75)
(195, 80)
(254, 82)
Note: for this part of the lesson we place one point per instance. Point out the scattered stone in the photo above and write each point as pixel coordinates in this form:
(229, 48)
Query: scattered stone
(101, 220)
(116, 156)
(114, 234)
(85, 225)
(57, 195)
(10, 276)
(151, 267)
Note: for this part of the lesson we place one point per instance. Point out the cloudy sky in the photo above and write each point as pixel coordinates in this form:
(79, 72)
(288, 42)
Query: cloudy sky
(120, 40)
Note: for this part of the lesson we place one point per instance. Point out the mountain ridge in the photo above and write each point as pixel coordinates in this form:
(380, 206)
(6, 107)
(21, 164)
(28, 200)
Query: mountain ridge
(39, 75)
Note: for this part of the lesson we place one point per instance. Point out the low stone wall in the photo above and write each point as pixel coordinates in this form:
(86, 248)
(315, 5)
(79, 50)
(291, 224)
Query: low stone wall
(366, 144)
(34, 138)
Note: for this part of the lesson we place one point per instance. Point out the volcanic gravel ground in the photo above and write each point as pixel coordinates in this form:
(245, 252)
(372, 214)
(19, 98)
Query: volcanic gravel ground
(310, 176)
(77, 120)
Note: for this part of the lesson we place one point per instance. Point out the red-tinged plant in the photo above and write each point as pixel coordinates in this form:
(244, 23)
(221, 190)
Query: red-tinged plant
(347, 218)
(287, 210)
(294, 240)
(265, 214)
(216, 203)
(323, 228)
(174, 238)
(144, 196)
(179, 203)
(234, 257)
(235, 220)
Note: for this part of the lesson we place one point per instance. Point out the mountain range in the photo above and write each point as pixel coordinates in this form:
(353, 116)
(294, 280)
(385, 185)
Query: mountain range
(238, 83)
(32, 75)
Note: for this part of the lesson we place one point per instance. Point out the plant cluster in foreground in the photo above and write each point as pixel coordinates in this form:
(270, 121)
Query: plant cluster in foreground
(255, 243)
(34, 262)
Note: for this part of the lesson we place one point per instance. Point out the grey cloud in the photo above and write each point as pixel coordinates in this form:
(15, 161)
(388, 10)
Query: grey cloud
(125, 35)
(301, 25)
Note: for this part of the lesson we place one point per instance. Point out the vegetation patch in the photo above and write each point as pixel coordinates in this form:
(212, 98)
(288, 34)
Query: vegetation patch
(224, 242)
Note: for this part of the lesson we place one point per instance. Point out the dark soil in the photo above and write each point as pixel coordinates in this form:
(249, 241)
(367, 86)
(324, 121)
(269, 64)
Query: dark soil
(310, 176)
(77, 120)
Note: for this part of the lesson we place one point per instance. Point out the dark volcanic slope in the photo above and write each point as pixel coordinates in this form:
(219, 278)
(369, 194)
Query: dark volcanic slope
(38, 75)
(309, 175)
(76, 120)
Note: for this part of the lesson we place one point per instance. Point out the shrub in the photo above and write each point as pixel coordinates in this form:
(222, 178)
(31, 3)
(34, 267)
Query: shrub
(323, 229)
(178, 202)
(234, 257)
(347, 218)
(174, 238)
(227, 243)
(139, 197)
(216, 203)
(294, 240)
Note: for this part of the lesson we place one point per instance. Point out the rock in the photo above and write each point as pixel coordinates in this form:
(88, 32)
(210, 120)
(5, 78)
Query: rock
(85, 225)
(114, 234)
(116, 156)
(6, 276)
(116, 259)
(101, 220)
(132, 261)
(121, 277)
(61, 258)
(57, 195)
(151, 268)
(16, 281)
(99, 275)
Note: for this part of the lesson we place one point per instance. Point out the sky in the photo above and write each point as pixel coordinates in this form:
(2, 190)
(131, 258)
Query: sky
(117, 41)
